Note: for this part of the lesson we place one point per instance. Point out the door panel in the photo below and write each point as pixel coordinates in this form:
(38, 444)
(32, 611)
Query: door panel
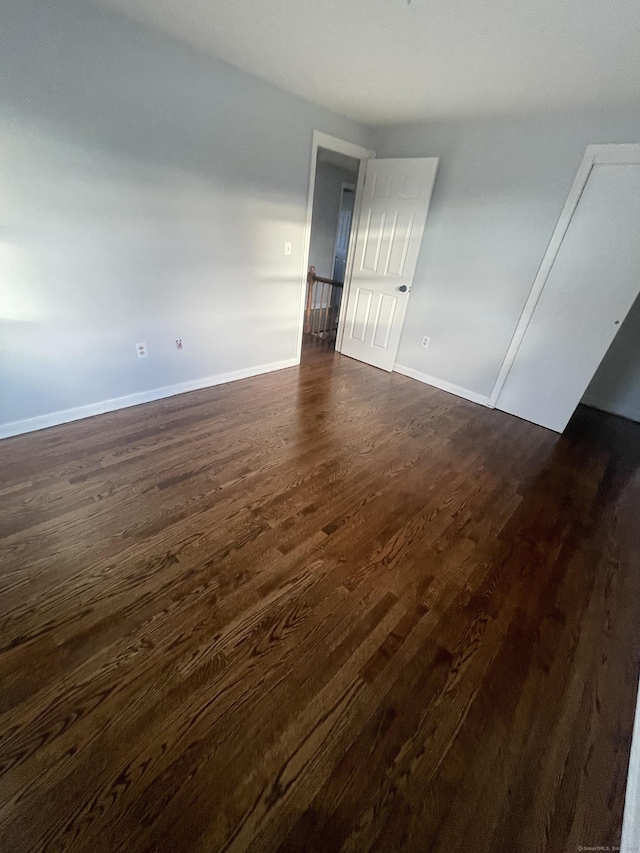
(361, 313)
(400, 236)
(394, 210)
(373, 241)
(593, 282)
(384, 321)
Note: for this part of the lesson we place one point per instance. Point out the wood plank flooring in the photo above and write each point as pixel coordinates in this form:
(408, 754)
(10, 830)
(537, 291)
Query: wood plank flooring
(326, 609)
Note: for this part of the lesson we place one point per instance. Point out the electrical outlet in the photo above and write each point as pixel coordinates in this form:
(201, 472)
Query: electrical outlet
(287, 248)
(425, 341)
(141, 350)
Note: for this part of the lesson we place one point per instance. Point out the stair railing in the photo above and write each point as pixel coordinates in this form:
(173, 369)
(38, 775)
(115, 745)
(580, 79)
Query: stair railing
(323, 305)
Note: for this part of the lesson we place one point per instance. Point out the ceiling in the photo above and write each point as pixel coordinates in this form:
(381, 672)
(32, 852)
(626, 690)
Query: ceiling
(388, 61)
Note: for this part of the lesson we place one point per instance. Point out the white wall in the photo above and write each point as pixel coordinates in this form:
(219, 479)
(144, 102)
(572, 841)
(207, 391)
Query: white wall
(616, 386)
(501, 185)
(326, 207)
(147, 192)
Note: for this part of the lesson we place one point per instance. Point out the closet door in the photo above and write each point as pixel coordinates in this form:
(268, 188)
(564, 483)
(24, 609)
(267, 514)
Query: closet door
(592, 283)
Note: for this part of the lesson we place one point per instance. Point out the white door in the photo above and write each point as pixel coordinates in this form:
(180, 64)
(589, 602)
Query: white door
(594, 280)
(395, 202)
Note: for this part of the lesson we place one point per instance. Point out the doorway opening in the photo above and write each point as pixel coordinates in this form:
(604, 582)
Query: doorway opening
(615, 387)
(363, 316)
(332, 217)
(335, 187)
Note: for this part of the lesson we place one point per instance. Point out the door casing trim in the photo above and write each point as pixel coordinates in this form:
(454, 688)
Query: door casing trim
(359, 152)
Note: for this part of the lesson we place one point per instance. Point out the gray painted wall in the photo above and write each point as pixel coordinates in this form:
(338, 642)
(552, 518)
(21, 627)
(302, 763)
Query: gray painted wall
(147, 192)
(500, 188)
(616, 386)
(326, 207)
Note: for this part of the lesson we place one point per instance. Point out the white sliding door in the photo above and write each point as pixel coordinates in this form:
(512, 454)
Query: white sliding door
(592, 282)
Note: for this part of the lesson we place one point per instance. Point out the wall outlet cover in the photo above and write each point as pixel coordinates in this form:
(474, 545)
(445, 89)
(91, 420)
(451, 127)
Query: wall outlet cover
(287, 248)
(141, 350)
(425, 341)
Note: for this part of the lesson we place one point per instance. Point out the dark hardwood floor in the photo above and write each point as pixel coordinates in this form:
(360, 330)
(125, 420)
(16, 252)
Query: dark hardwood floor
(324, 609)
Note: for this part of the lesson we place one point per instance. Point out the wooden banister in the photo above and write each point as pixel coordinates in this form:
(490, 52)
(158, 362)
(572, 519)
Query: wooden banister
(311, 277)
(330, 281)
(320, 319)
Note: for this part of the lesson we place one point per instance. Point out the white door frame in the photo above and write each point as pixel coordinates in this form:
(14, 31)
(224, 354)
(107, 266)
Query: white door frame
(345, 185)
(341, 146)
(595, 154)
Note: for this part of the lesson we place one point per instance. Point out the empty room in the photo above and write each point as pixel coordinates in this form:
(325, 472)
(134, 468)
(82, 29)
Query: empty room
(319, 426)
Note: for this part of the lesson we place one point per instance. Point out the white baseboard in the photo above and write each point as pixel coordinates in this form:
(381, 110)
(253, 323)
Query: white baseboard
(68, 415)
(611, 409)
(442, 385)
(594, 403)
